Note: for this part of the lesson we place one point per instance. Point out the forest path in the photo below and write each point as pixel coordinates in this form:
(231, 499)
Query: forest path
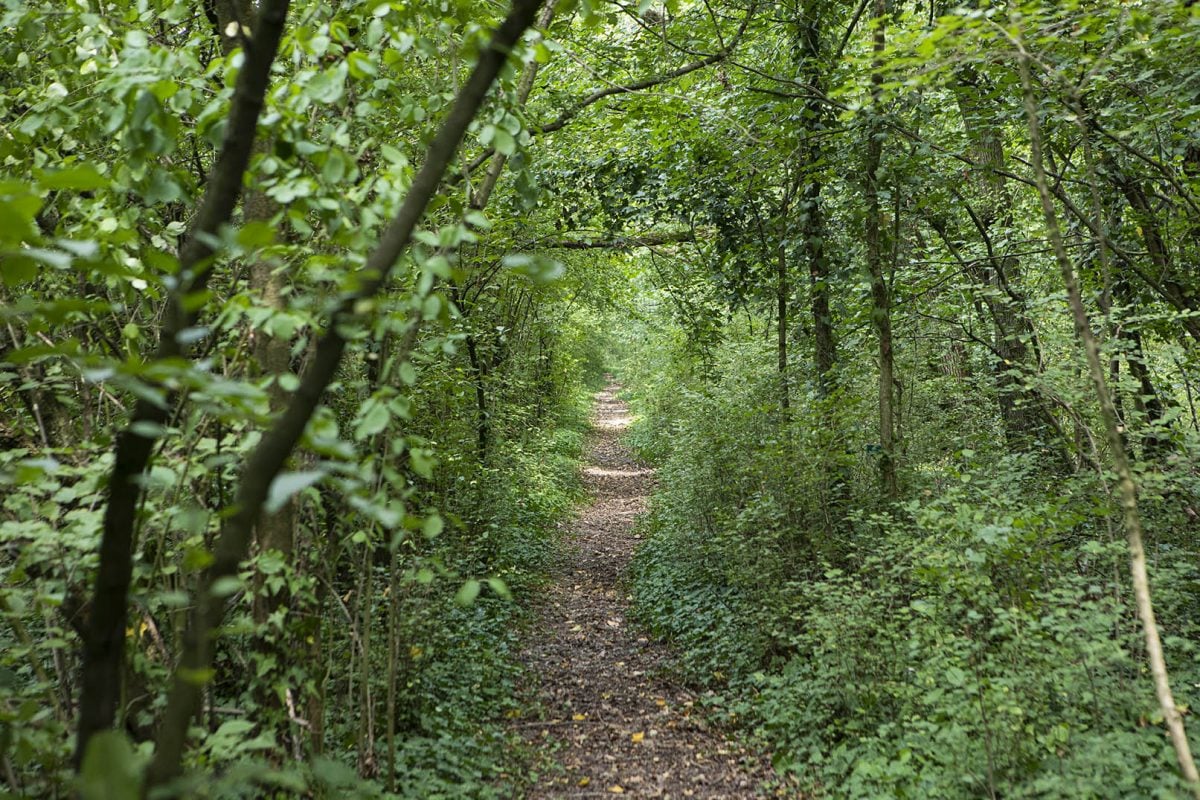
(612, 723)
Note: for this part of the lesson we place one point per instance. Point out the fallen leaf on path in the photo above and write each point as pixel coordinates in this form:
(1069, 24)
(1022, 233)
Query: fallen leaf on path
(617, 789)
(638, 737)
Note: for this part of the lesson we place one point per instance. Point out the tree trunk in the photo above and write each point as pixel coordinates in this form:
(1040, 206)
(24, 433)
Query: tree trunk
(483, 432)
(104, 642)
(881, 310)
(1022, 412)
(782, 290)
(1121, 465)
(812, 214)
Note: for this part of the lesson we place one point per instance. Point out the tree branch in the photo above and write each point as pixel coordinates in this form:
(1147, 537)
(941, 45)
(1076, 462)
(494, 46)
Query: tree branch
(629, 88)
(268, 458)
(104, 642)
(620, 242)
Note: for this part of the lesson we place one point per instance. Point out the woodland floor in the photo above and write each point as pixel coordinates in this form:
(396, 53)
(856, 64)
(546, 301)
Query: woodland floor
(612, 720)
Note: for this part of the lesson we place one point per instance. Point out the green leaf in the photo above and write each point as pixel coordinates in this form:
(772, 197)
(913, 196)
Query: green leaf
(422, 462)
(467, 594)
(16, 269)
(82, 177)
(256, 234)
(329, 85)
(499, 587)
(433, 525)
(956, 677)
(408, 373)
(504, 142)
(147, 429)
(226, 586)
(477, 219)
(361, 65)
(111, 769)
(373, 419)
(538, 269)
(286, 485)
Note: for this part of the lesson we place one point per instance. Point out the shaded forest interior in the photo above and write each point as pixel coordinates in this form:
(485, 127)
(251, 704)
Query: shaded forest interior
(306, 306)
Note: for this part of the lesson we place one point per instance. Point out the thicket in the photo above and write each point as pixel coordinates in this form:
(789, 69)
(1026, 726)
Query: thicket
(890, 537)
(976, 639)
(158, 335)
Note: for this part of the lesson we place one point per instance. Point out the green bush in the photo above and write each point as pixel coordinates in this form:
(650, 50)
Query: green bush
(976, 641)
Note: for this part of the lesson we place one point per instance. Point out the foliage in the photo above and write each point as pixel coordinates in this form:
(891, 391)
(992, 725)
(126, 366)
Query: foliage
(975, 640)
(908, 586)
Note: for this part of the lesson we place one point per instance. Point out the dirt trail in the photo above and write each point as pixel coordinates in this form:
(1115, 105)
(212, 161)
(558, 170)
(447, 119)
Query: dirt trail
(611, 721)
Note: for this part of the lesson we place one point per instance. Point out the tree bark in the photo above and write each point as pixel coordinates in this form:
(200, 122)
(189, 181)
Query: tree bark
(1021, 411)
(1164, 282)
(835, 485)
(881, 299)
(104, 640)
(273, 450)
(782, 291)
(1121, 465)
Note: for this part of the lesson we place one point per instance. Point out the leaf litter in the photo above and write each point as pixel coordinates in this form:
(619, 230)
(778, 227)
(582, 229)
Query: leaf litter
(611, 721)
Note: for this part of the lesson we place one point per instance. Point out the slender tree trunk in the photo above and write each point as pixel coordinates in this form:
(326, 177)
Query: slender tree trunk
(881, 311)
(316, 650)
(104, 641)
(782, 290)
(393, 673)
(367, 768)
(1147, 400)
(275, 531)
(1121, 466)
(479, 378)
(273, 450)
(272, 354)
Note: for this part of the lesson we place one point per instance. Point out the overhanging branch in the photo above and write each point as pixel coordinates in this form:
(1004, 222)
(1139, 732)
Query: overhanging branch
(621, 242)
(628, 88)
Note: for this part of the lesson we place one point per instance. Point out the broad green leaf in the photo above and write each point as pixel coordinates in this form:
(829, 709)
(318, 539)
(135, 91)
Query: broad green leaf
(467, 593)
(432, 526)
(16, 269)
(286, 485)
(374, 418)
(111, 769)
(81, 177)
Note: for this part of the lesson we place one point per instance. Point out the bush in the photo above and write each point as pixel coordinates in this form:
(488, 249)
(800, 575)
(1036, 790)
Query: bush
(976, 641)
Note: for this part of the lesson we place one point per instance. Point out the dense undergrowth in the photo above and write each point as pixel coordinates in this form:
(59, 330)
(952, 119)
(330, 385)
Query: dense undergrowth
(430, 603)
(975, 640)
(462, 672)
